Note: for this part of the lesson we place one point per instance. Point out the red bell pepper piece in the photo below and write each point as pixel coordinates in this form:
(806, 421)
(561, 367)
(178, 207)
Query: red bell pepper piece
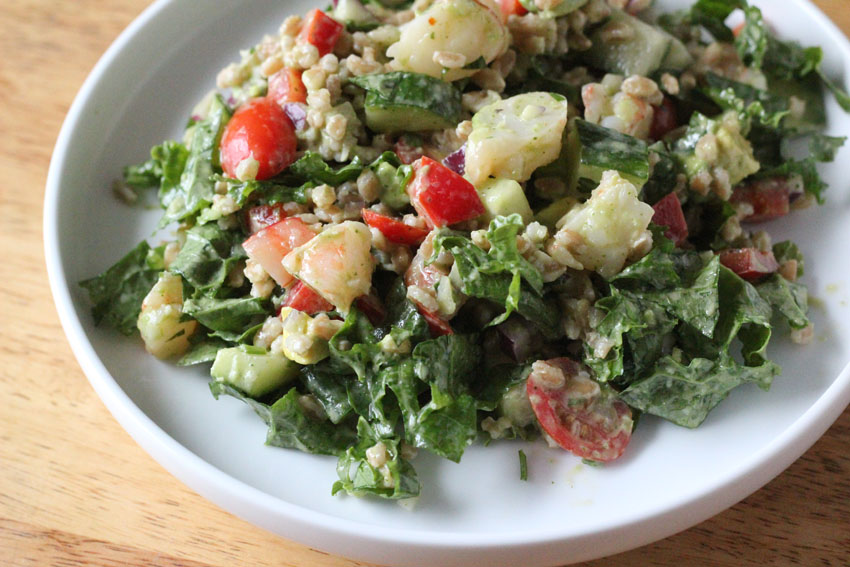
(372, 308)
(441, 196)
(668, 212)
(321, 30)
(436, 324)
(408, 148)
(393, 229)
(750, 263)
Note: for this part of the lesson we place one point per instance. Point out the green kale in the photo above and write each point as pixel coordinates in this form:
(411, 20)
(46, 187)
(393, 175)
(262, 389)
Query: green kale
(117, 293)
(197, 185)
(396, 479)
(207, 257)
(501, 274)
(228, 318)
(292, 426)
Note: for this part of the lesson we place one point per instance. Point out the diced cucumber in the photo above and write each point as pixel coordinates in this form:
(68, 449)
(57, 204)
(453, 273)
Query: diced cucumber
(600, 149)
(678, 57)
(562, 9)
(642, 50)
(503, 197)
(410, 102)
(551, 214)
(253, 370)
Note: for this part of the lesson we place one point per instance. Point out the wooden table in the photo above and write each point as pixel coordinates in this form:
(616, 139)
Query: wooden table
(76, 490)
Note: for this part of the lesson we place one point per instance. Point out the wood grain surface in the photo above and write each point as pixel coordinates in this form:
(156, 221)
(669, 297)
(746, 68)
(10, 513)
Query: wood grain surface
(76, 490)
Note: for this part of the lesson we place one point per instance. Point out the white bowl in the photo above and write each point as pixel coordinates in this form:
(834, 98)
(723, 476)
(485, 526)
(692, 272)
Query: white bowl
(477, 512)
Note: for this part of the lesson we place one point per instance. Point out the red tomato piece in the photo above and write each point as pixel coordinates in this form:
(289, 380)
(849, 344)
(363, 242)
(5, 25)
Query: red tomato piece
(512, 8)
(321, 30)
(268, 246)
(441, 196)
(302, 298)
(393, 229)
(750, 263)
(286, 86)
(426, 277)
(736, 31)
(663, 119)
(261, 130)
(261, 216)
(419, 274)
(408, 149)
(769, 197)
(579, 414)
(668, 212)
(436, 324)
(372, 307)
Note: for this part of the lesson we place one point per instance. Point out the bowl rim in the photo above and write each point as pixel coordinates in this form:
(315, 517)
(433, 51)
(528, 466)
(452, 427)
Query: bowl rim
(303, 524)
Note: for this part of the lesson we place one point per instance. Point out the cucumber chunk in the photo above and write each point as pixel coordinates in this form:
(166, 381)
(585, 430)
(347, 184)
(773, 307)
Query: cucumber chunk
(678, 57)
(642, 51)
(253, 370)
(552, 213)
(411, 102)
(600, 149)
(503, 197)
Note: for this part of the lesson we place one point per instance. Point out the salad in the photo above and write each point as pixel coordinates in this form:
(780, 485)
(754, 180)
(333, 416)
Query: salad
(398, 227)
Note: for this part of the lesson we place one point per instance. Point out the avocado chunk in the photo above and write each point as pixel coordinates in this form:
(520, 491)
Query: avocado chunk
(253, 370)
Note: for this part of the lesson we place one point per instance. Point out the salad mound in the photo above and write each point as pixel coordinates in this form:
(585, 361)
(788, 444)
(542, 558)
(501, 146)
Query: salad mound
(399, 227)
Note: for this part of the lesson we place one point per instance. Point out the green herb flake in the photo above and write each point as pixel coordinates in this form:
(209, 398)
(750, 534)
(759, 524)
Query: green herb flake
(523, 465)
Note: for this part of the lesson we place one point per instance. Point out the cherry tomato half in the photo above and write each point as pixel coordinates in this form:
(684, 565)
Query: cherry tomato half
(261, 130)
(579, 414)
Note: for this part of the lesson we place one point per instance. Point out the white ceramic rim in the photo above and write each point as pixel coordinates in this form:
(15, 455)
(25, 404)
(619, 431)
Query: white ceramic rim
(311, 527)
